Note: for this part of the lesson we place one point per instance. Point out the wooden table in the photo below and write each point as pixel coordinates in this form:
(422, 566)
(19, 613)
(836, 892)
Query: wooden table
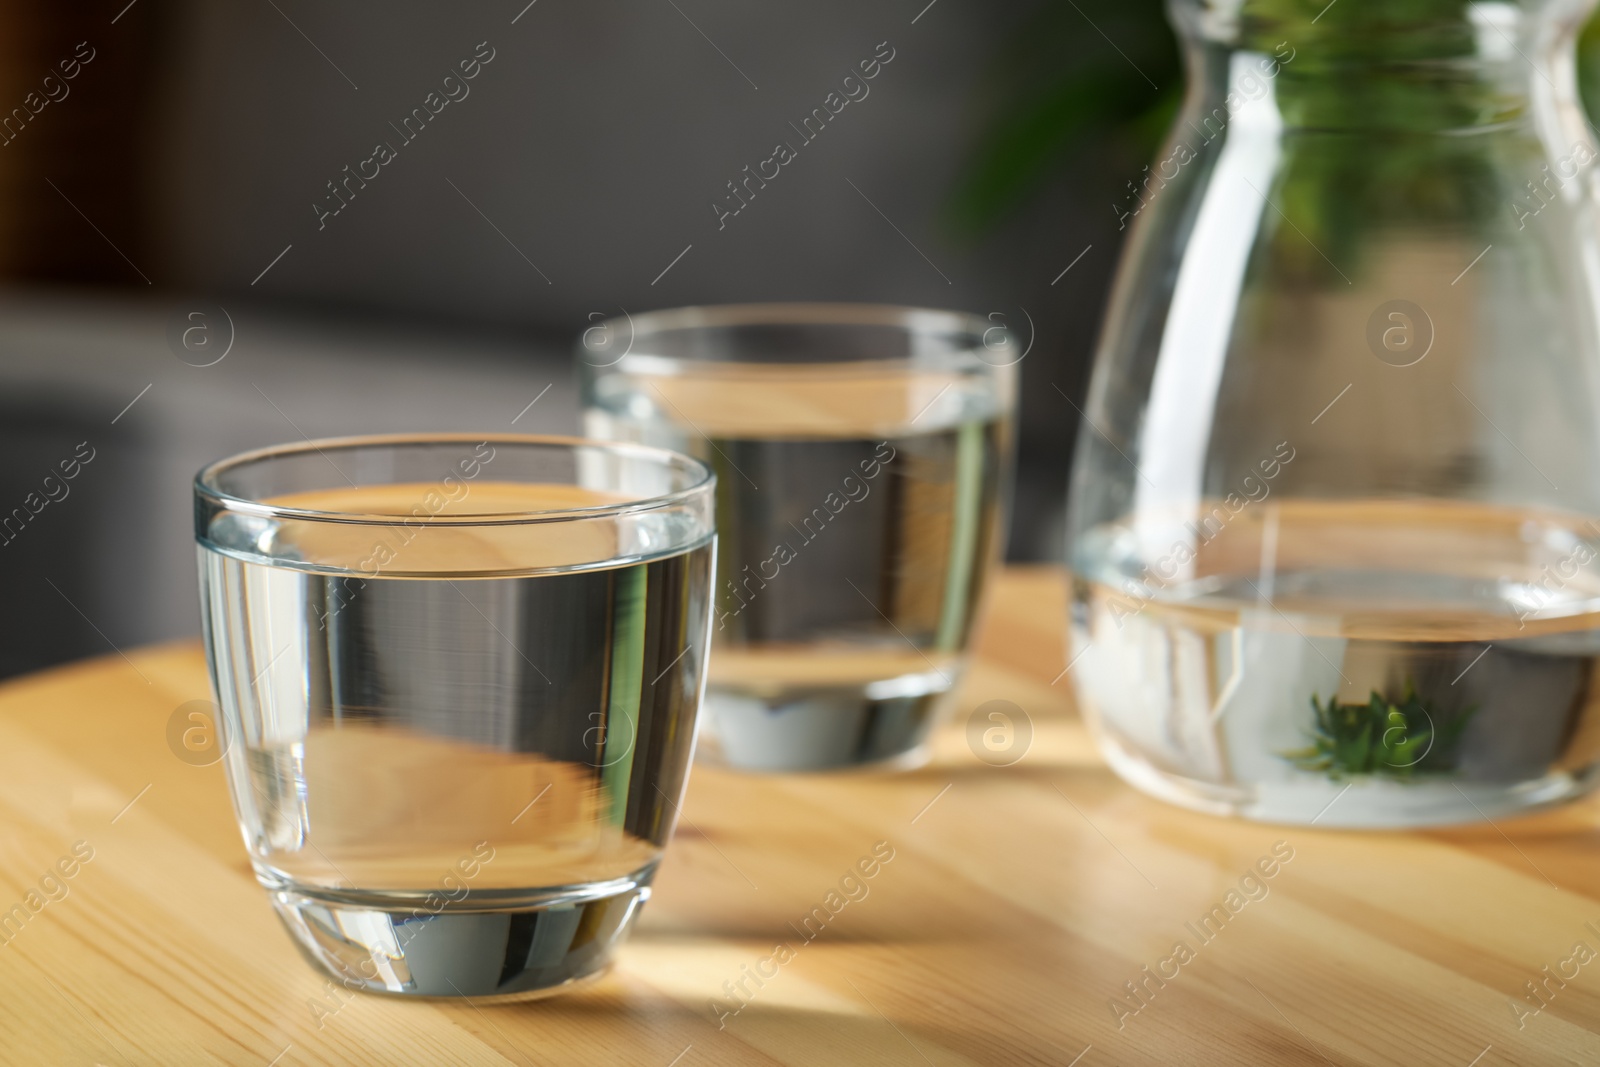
(1018, 902)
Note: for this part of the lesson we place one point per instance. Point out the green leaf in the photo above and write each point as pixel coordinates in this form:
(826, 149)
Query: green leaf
(1395, 739)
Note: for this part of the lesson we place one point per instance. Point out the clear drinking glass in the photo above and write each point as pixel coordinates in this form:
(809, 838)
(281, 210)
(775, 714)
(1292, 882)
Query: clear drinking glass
(862, 457)
(459, 679)
(1332, 518)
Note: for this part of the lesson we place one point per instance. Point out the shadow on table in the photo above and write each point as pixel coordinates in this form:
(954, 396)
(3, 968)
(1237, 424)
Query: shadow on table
(858, 1031)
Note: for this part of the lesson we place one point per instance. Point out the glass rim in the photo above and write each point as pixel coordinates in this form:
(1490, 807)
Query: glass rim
(910, 319)
(205, 487)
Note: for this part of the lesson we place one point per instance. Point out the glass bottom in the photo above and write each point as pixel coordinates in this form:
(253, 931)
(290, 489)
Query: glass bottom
(810, 729)
(1354, 804)
(507, 944)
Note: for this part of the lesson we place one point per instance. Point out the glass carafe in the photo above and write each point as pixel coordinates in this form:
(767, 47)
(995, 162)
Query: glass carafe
(1332, 520)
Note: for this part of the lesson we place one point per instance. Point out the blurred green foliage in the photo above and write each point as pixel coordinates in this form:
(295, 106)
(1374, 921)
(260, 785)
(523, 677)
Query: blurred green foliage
(1102, 79)
(1060, 88)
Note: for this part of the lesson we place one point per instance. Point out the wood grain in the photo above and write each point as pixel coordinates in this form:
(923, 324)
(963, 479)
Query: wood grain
(1018, 901)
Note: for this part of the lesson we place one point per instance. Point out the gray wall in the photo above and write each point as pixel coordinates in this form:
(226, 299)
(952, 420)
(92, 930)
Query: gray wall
(112, 564)
(596, 142)
(591, 147)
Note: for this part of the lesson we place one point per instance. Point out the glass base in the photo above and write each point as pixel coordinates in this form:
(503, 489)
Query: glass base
(496, 943)
(1363, 803)
(812, 730)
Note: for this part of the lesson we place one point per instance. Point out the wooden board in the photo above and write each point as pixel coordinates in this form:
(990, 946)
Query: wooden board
(1018, 902)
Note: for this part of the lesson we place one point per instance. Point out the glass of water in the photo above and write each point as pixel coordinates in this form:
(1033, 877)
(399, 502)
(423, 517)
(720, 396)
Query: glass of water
(863, 457)
(459, 679)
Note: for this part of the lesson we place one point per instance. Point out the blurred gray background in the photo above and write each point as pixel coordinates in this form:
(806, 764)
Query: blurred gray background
(175, 175)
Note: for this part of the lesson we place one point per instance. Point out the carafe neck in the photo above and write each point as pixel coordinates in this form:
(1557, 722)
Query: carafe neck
(1435, 66)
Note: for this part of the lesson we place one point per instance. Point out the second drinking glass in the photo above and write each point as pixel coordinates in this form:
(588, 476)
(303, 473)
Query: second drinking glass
(863, 458)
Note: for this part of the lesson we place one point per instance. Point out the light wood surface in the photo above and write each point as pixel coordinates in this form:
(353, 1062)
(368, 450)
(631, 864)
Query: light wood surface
(1018, 901)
